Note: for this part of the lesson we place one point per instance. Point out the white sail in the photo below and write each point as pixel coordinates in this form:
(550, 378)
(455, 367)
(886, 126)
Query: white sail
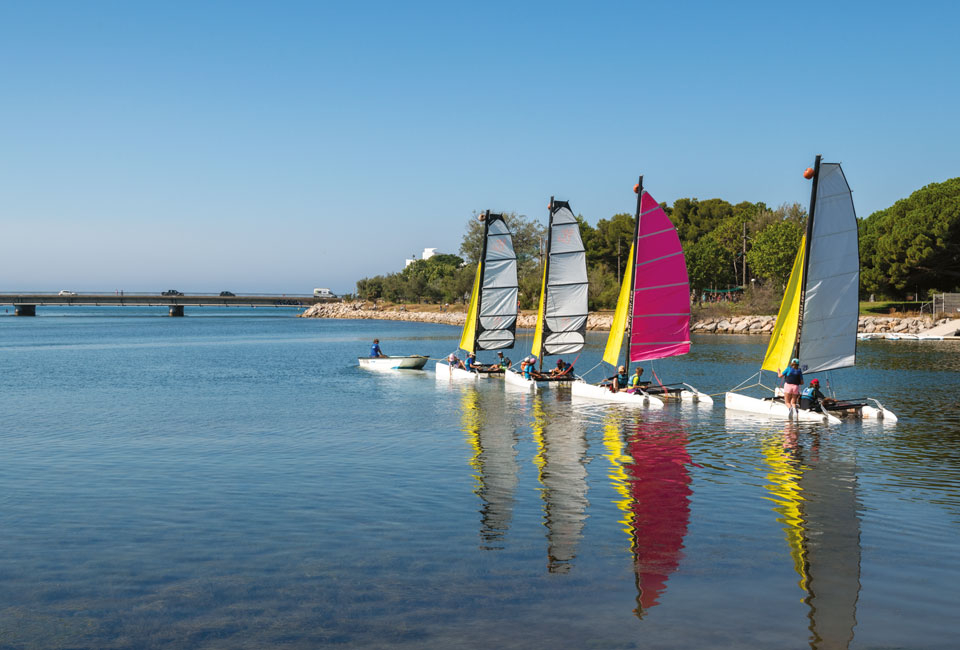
(498, 295)
(565, 308)
(831, 305)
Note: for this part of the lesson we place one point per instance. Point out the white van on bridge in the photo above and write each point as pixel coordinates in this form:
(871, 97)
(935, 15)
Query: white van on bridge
(323, 293)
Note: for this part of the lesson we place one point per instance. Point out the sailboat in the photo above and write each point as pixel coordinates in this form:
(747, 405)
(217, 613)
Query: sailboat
(492, 315)
(817, 321)
(562, 314)
(653, 309)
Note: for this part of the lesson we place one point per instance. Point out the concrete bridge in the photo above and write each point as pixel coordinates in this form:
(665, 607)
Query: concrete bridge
(25, 304)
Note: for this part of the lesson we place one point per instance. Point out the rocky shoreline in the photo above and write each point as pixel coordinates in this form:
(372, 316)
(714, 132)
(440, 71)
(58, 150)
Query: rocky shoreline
(602, 322)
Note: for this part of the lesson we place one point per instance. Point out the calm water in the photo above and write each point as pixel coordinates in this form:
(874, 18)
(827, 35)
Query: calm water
(232, 480)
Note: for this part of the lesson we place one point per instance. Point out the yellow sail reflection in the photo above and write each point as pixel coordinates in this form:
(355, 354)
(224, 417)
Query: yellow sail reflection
(494, 464)
(562, 472)
(470, 326)
(611, 354)
(813, 483)
(784, 335)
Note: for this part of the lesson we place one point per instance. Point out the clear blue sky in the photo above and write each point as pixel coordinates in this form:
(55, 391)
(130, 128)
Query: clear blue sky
(280, 146)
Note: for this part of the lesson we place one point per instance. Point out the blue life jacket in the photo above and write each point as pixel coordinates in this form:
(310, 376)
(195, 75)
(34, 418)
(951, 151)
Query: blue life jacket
(623, 380)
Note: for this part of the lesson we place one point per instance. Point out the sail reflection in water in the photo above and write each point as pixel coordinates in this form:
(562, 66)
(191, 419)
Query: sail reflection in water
(494, 461)
(561, 463)
(651, 474)
(814, 484)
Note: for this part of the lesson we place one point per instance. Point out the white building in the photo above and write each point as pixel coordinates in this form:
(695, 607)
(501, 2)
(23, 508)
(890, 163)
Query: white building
(427, 254)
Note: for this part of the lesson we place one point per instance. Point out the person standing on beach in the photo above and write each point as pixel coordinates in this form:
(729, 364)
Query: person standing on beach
(375, 350)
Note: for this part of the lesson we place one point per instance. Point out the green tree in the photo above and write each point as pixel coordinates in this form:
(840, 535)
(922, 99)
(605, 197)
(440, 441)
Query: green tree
(707, 265)
(773, 251)
(914, 245)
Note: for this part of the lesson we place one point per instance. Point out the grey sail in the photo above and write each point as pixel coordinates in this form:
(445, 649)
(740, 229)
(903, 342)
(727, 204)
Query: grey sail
(497, 322)
(828, 337)
(565, 302)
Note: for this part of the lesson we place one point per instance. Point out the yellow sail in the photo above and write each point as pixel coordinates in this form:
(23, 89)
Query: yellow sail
(784, 335)
(611, 353)
(470, 327)
(538, 333)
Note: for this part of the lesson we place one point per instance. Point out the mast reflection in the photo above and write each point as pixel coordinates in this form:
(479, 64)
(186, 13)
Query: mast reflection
(562, 472)
(494, 461)
(814, 484)
(650, 472)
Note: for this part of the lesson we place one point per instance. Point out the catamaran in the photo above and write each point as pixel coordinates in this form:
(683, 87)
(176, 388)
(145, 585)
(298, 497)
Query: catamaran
(492, 315)
(817, 321)
(653, 309)
(562, 313)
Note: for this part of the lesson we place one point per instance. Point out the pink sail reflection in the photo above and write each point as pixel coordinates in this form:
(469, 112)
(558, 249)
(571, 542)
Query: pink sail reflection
(660, 493)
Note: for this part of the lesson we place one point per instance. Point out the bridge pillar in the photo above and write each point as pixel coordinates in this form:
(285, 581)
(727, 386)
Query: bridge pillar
(176, 310)
(24, 310)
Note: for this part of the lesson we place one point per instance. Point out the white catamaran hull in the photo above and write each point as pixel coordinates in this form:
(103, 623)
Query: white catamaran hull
(514, 378)
(411, 362)
(878, 413)
(774, 409)
(446, 372)
(581, 388)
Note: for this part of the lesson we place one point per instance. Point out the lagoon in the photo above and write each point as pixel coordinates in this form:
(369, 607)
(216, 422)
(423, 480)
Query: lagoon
(234, 480)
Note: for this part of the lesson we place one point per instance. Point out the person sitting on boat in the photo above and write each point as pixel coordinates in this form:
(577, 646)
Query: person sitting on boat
(375, 350)
(527, 368)
(811, 399)
(502, 361)
(455, 362)
(562, 370)
(472, 364)
(792, 381)
(635, 381)
(619, 381)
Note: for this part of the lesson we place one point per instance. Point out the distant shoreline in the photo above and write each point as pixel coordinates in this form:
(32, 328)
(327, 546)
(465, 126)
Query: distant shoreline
(602, 321)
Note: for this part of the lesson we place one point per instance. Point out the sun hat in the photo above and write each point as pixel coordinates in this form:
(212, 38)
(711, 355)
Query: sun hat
(795, 361)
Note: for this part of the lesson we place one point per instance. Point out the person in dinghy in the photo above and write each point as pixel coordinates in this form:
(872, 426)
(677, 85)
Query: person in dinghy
(619, 382)
(375, 350)
(562, 371)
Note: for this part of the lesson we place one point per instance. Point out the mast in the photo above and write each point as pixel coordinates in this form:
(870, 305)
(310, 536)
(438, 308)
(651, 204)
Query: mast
(633, 274)
(808, 238)
(546, 281)
(483, 259)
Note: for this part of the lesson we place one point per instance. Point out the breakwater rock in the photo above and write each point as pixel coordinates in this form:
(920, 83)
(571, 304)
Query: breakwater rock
(602, 322)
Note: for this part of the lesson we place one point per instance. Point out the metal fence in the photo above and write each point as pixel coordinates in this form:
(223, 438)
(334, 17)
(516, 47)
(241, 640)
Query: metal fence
(946, 305)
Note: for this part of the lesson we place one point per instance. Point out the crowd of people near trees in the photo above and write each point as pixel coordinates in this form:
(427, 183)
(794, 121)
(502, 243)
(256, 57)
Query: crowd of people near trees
(912, 247)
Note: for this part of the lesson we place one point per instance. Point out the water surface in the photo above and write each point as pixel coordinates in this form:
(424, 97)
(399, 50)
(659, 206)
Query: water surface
(232, 480)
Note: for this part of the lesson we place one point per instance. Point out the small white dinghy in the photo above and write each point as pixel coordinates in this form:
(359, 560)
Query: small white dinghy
(581, 388)
(410, 362)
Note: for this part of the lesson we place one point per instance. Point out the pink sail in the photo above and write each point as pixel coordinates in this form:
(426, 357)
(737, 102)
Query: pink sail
(661, 290)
